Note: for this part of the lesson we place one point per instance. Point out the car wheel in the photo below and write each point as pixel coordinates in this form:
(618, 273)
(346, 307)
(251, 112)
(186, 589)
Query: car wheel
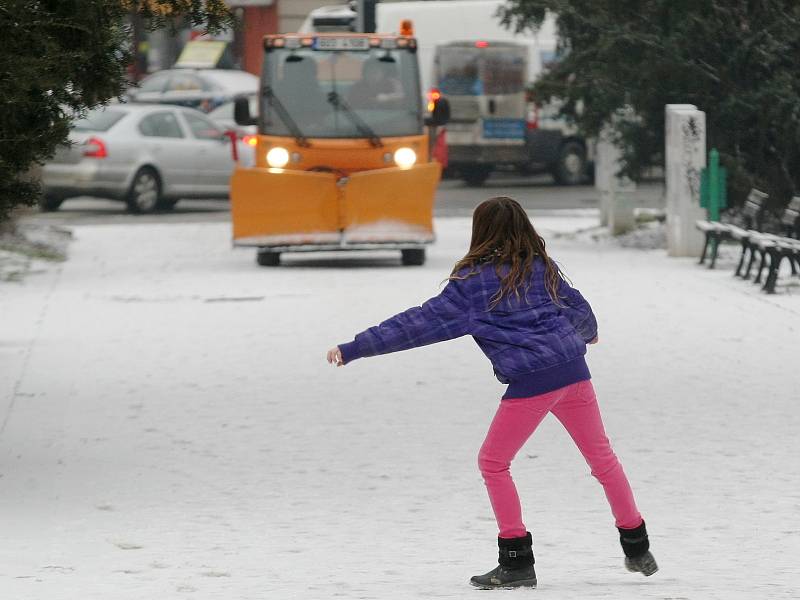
(475, 175)
(144, 195)
(268, 258)
(49, 203)
(413, 256)
(571, 167)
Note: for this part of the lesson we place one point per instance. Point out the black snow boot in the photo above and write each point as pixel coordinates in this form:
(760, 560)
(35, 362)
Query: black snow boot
(636, 547)
(515, 568)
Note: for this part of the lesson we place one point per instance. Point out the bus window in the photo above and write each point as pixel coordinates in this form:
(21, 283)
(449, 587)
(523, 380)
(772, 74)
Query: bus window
(503, 72)
(458, 71)
(481, 70)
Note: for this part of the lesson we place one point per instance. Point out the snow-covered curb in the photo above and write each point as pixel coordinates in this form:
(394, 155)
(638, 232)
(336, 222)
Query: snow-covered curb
(30, 249)
(650, 233)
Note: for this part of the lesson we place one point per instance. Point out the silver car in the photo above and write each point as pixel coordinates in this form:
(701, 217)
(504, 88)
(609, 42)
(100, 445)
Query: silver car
(148, 156)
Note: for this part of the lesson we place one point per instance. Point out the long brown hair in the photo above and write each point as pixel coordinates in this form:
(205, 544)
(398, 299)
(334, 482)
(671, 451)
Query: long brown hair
(502, 234)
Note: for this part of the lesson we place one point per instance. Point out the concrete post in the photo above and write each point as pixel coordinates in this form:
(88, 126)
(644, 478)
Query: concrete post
(604, 169)
(616, 193)
(621, 217)
(685, 155)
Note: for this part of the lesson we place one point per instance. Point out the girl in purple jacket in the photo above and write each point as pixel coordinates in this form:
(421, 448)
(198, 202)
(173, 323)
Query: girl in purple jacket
(533, 326)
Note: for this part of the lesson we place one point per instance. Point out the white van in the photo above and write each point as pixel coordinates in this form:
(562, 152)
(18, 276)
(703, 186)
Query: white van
(484, 82)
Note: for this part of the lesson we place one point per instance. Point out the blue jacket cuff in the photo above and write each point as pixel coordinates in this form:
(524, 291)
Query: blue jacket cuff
(349, 351)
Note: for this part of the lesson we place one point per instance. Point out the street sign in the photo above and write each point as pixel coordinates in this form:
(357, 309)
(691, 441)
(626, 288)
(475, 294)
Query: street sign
(713, 186)
(203, 54)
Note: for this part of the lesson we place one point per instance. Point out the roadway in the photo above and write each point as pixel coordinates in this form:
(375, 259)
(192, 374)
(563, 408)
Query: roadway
(453, 198)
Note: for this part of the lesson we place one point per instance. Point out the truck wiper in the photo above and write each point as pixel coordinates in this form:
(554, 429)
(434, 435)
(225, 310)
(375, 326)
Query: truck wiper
(365, 130)
(290, 123)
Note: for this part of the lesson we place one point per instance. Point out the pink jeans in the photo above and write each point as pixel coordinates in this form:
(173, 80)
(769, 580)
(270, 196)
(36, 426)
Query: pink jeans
(576, 407)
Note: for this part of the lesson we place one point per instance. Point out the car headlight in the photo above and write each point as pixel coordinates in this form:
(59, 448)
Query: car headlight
(405, 158)
(278, 157)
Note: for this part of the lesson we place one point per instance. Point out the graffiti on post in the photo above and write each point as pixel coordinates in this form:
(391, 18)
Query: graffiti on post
(693, 134)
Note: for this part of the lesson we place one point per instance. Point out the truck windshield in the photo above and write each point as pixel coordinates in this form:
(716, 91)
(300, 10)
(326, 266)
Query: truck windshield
(322, 89)
(463, 70)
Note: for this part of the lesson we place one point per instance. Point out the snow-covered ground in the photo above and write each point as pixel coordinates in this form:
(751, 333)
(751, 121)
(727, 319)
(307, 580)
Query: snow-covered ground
(170, 429)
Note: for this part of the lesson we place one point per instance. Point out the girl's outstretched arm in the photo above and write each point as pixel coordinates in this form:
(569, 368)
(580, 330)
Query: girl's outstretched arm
(578, 311)
(443, 317)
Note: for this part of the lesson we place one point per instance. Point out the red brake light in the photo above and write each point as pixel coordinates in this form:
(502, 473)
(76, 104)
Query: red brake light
(95, 148)
(481, 44)
(532, 116)
(250, 140)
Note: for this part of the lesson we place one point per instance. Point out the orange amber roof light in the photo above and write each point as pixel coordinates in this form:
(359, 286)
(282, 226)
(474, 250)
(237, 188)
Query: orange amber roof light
(406, 27)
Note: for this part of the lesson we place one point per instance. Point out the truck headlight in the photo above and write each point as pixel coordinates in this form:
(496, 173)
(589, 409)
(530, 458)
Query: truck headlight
(278, 157)
(405, 158)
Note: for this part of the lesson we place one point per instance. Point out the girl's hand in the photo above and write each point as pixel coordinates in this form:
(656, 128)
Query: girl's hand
(594, 341)
(335, 357)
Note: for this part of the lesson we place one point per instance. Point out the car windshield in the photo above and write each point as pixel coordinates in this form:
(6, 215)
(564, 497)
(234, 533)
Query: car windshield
(478, 71)
(333, 93)
(101, 119)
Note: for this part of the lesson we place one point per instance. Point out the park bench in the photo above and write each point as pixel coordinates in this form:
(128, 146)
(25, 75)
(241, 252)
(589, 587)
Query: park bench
(748, 223)
(778, 247)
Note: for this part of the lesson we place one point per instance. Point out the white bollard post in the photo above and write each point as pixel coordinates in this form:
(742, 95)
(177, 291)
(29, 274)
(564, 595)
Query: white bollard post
(685, 156)
(616, 193)
(622, 218)
(604, 169)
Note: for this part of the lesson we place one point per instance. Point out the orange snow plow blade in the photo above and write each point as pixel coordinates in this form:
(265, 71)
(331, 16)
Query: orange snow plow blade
(274, 207)
(390, 205)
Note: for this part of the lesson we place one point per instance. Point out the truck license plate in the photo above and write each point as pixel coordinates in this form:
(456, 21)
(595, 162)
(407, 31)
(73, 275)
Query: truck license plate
(341, 43)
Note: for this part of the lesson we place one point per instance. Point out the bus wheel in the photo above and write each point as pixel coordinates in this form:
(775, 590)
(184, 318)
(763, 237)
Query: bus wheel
(571, 167)
(413, 256)
(267, 258)
(476, 175)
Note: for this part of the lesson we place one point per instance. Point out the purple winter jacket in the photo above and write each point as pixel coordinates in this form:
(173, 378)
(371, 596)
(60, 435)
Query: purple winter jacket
(534, 345)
